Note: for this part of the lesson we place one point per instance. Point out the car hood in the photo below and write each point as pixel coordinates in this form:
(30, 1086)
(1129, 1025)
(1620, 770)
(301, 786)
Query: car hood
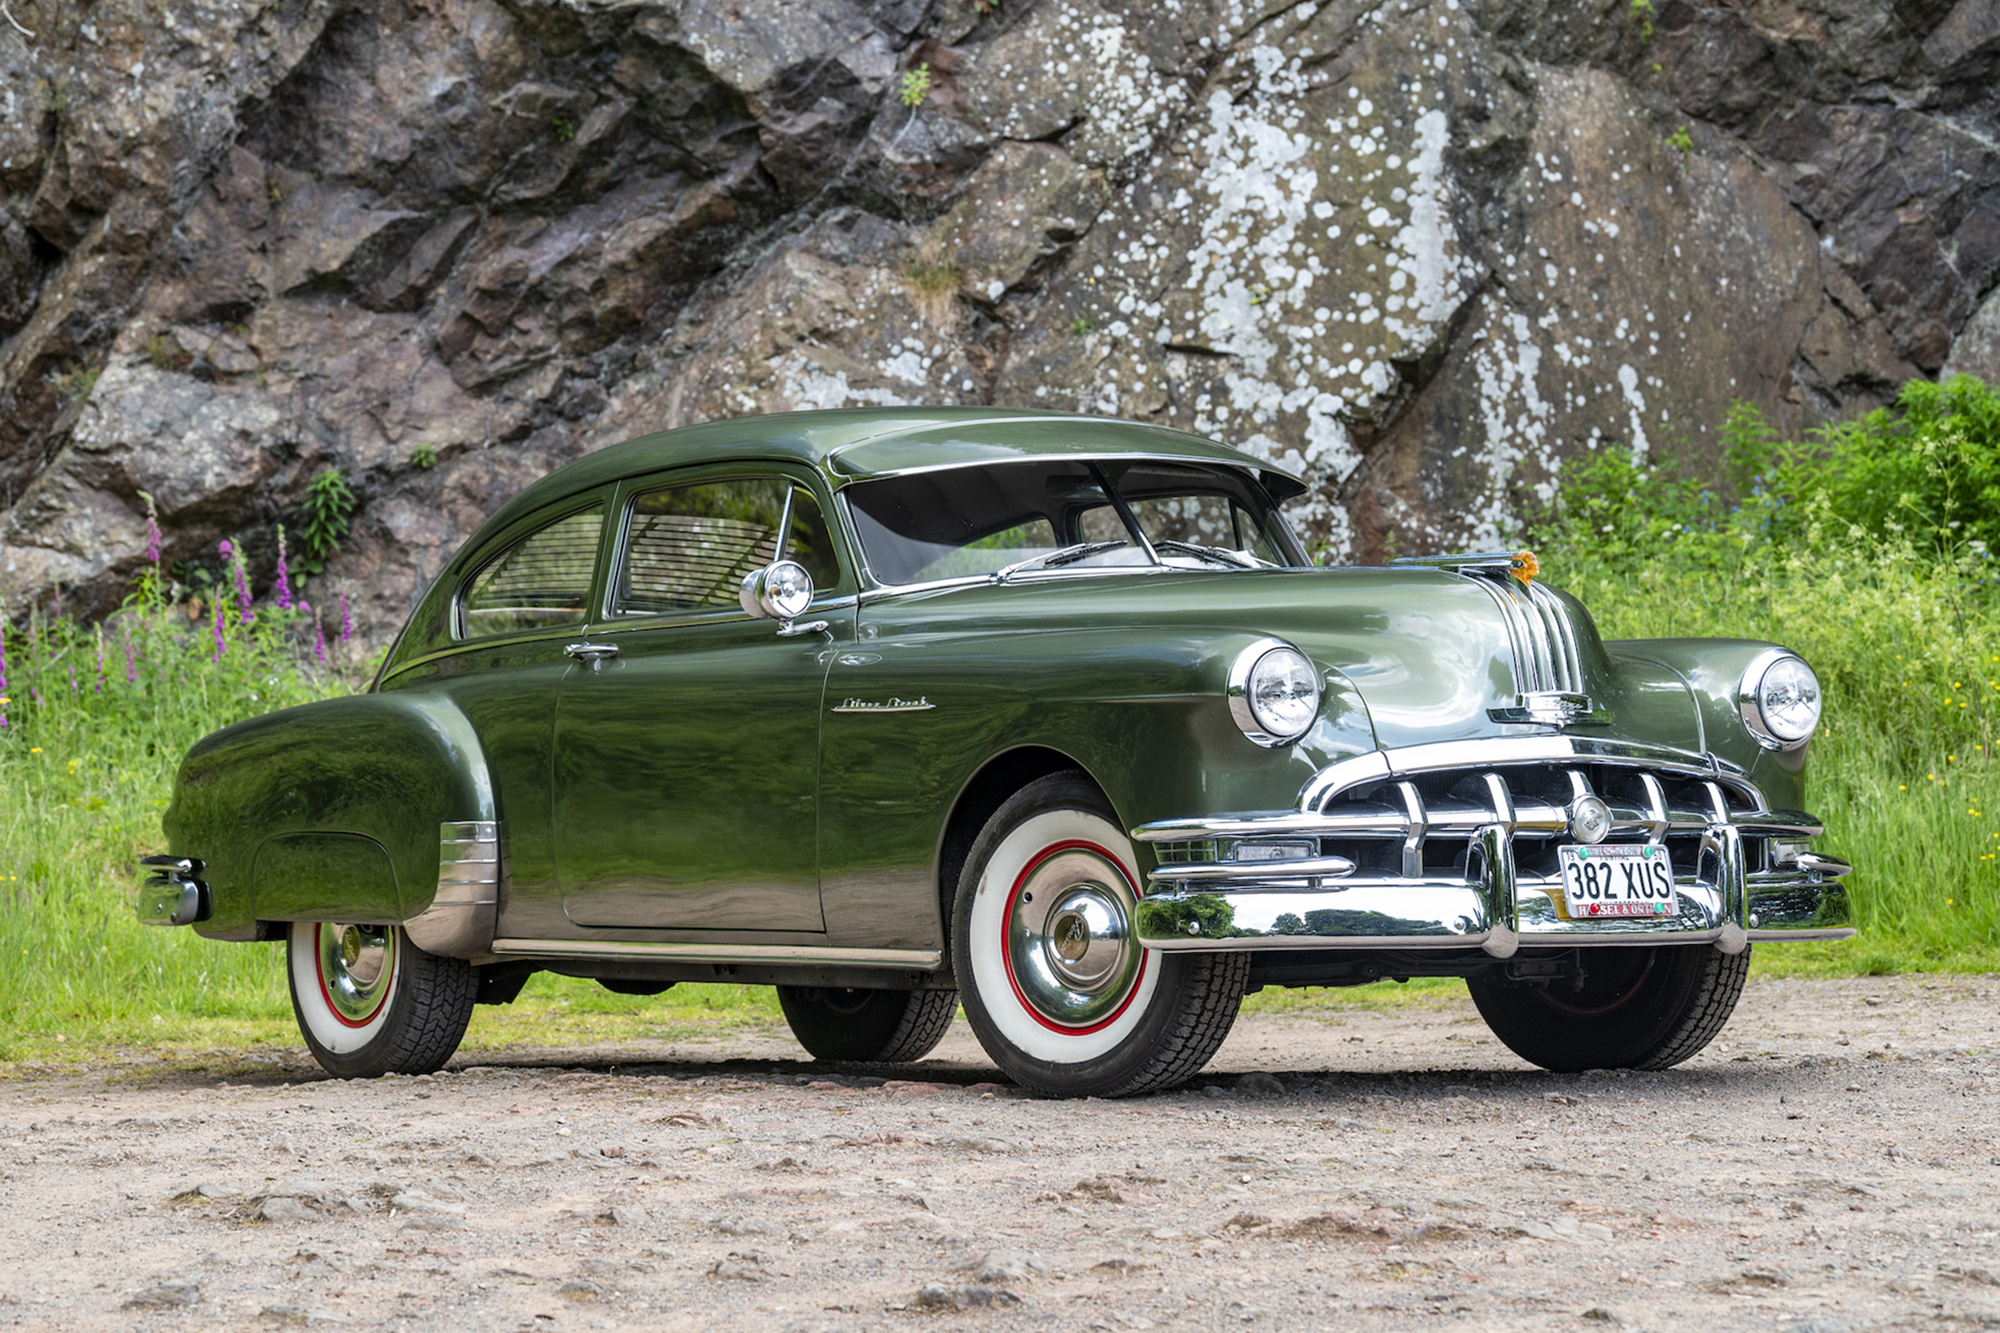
(1428, 652)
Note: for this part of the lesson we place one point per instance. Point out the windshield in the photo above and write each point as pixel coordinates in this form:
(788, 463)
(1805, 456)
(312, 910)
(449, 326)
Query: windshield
(1007, 518)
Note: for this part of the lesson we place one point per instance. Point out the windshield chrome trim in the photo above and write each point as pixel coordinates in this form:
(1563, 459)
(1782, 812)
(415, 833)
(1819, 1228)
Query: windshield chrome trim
(870, 582)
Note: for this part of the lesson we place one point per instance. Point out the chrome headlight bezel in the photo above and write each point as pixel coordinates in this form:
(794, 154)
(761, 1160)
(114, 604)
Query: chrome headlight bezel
(1750, 700)
(1243, 675)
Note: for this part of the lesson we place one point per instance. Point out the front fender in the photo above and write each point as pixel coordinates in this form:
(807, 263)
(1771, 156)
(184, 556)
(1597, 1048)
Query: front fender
(1713, 672)
(331, 810)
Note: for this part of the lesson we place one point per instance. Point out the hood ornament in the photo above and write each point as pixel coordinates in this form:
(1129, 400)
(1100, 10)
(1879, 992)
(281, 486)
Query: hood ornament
(1492, 564)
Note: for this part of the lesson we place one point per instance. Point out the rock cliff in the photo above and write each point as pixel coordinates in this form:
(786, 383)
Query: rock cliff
(1421, 250)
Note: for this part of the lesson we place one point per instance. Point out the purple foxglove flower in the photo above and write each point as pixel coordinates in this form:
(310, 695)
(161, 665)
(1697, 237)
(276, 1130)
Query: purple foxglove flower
(346, 619)
(319, 641)
(242, 578)
(152, 531)
(224, 549)
(221, 646)
(284, 588)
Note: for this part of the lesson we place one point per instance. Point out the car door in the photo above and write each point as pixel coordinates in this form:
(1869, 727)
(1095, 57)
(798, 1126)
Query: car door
(512, 618)
(687, 739)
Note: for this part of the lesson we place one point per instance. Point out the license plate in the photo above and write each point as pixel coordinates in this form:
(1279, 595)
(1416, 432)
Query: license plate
(1620, 879)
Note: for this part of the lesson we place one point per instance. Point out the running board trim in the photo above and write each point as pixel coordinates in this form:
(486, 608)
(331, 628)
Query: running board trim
(922, 960)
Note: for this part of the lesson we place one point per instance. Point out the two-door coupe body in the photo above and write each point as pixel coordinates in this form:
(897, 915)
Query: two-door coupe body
(1046, 714)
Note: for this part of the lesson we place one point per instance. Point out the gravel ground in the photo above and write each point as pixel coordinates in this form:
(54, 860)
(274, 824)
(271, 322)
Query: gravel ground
(1831, 1163)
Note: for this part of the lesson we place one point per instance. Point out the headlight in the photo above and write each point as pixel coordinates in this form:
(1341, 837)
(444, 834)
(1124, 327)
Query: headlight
(1779, 700)
(1273, 692)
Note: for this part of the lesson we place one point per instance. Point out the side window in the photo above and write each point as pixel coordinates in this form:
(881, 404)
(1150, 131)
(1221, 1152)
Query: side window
(690, 547)
(543, 579)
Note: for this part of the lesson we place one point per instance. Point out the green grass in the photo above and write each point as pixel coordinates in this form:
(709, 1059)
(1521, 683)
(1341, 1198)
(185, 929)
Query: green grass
(1857, 548)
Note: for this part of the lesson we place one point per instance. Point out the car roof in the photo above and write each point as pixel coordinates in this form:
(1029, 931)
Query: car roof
(861, 444)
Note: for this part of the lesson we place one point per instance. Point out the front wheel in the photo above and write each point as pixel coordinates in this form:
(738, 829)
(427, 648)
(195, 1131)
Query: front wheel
(370, 1003)
(1055, 983)
(1635, 1008)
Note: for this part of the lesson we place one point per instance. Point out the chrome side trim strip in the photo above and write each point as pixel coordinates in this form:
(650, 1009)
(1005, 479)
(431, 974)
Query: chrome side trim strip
(920, 960)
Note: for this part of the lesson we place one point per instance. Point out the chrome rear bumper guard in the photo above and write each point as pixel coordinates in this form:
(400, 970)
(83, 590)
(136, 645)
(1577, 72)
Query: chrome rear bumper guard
(172, 892)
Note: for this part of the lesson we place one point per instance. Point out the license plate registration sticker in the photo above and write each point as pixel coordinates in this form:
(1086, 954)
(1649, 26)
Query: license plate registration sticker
(1620, 879)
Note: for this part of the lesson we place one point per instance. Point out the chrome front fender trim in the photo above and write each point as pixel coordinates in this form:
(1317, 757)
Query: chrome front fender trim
(910, 960)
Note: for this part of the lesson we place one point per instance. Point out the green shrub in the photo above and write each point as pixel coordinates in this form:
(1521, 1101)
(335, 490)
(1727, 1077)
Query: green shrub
(1862, 548)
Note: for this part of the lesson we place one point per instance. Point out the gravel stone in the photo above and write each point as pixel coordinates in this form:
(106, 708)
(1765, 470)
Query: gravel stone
(1386, 1187)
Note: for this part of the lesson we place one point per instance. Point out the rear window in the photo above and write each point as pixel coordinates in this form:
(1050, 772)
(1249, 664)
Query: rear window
(541, 580)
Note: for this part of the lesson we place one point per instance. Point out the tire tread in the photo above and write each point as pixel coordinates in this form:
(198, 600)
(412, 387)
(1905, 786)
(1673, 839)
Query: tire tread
(1208, 1003)
(926, 1019)
(443, 992)
(1720, 987)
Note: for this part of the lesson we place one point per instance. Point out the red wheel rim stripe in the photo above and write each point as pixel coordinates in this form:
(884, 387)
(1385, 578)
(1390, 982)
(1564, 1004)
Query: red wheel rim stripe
(319, 974)
(1007, 955)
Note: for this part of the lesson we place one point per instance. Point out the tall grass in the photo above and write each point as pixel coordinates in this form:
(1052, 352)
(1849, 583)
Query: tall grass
(93, 721)
(1866, 549)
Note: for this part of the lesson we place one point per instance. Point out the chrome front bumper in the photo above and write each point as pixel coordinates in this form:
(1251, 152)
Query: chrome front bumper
(1318, 899)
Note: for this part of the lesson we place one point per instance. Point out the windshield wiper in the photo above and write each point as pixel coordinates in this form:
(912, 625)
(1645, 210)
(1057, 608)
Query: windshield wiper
(1066, 556)
(1215, 553)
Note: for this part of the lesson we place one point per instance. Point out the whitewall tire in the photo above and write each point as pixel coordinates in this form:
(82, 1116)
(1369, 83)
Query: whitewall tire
(1050, 969)
(369, 1002)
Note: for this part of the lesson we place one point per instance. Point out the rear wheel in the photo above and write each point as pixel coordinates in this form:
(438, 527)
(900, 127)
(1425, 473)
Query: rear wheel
(1055, 983)
(867, 1026)
(370, 1003)
(1635, 1008)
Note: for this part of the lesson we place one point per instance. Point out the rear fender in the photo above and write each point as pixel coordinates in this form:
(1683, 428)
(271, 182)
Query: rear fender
(329, 811)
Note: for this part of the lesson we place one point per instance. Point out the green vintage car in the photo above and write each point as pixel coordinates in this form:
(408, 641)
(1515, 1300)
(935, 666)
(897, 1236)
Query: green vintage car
(1047, 715)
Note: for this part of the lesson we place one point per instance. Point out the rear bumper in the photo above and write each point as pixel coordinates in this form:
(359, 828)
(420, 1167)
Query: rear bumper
(171, 892)
(1742, 872)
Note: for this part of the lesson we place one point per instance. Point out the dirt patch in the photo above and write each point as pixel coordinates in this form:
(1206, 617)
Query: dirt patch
(1829, 1164)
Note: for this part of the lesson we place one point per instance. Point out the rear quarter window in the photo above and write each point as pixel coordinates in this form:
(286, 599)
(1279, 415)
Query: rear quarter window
(542, 580)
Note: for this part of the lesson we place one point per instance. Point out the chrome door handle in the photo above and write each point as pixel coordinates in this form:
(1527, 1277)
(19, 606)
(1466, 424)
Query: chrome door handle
(794, 628)
(593, 653)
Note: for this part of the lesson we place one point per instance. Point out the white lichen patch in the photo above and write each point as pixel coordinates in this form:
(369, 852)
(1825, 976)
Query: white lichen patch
(1320, 252)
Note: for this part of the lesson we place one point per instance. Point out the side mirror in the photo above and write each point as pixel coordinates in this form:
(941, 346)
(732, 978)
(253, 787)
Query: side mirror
(780, 591)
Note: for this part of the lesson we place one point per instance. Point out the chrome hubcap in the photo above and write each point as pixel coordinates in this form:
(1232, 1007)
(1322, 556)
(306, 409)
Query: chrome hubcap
(1069, 938)
(356, 965)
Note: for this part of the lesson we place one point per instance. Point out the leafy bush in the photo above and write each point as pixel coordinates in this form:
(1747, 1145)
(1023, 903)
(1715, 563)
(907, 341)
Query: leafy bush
(1864, 548)
(329, 508)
